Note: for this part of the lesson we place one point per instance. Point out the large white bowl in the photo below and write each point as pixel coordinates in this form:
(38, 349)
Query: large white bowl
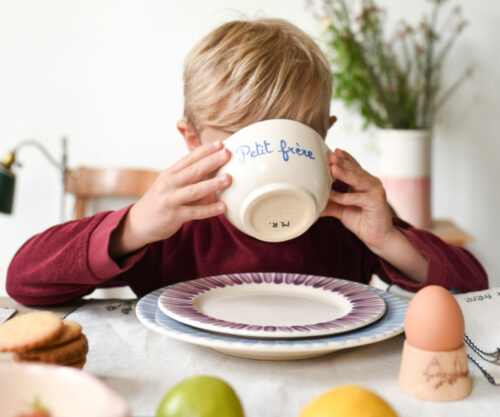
(64, 391)
(281, 179)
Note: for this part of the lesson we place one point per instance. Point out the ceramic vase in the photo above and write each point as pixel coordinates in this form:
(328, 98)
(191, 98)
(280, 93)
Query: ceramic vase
(404, 169)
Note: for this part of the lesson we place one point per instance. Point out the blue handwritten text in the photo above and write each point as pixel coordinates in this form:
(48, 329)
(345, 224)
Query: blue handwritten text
(258, 149)
(286, 151)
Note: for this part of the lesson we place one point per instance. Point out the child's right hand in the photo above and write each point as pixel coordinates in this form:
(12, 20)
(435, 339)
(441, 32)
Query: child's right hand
(180, 193)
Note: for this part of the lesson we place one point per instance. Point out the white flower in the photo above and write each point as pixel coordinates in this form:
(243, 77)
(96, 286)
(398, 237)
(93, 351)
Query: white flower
(323, 26)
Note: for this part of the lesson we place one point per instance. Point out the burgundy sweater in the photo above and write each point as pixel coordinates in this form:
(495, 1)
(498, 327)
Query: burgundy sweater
(70, 260)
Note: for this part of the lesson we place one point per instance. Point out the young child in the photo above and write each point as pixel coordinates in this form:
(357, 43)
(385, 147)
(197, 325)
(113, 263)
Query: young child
(241, 73)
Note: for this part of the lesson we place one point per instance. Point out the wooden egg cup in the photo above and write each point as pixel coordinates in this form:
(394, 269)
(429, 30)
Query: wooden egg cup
(434, 375)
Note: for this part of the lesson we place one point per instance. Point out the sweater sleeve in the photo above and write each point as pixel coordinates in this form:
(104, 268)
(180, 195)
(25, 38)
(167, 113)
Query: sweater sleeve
(449, 266)
(68, 261)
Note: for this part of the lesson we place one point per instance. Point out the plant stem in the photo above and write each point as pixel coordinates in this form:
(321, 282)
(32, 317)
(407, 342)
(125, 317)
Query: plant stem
(450, 90)
(430, 36)
(374, 78)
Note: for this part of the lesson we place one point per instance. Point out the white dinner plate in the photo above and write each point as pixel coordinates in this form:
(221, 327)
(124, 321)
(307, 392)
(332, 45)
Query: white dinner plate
(272, 305)
(391, 324)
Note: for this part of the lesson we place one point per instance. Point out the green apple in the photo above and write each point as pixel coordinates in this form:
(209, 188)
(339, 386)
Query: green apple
(200, 396)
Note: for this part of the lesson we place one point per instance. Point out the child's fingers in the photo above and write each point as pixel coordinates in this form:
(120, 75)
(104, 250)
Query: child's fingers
(199, 153)
(199, 190)
(349, 199)
(200, 169)
(346, 155)
(350, 172)
(333, 209)
(349, 176)
(188, 213)
(375, 197)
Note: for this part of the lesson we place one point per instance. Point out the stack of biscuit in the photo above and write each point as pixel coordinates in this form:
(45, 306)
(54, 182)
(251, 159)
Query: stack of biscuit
(43, 337)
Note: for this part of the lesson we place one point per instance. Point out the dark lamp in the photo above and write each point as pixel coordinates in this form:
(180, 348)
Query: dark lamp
(8, 176)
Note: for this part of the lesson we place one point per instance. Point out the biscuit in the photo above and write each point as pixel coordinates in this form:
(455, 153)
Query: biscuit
(71, 331)
(29, 331)
(79, 365)
(66, 353)
(17, 357)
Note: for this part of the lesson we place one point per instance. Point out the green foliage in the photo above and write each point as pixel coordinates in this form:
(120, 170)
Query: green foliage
(394, 83)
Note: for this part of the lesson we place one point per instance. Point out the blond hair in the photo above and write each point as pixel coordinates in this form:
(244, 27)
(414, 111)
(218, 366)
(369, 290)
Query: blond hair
(247, 71)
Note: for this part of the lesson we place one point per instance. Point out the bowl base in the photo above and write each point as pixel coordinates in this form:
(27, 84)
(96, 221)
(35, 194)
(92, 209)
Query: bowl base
(278, 212)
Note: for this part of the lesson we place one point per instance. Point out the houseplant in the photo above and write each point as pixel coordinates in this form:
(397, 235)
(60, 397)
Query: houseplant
(395, 84)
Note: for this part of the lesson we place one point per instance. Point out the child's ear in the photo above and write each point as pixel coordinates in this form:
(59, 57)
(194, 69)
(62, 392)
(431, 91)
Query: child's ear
(189, 134)
(331, 121)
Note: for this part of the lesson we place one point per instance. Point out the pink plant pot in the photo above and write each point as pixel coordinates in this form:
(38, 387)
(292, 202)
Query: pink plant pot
(404, 169)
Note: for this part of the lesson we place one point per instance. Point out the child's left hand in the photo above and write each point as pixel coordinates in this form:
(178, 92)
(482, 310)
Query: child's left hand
(363, 209)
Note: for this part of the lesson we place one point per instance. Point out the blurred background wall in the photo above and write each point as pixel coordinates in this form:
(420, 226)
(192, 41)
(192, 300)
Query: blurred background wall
(108, 75)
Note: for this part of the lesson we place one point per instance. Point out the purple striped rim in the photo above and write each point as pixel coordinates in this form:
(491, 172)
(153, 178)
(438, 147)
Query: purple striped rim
(367, 306)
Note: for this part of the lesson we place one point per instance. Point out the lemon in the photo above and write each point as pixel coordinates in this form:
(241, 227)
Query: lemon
(348, 401)
(200, 396)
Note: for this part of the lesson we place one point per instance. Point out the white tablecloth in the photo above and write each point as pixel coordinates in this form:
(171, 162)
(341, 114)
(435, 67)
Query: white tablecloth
(142, 366)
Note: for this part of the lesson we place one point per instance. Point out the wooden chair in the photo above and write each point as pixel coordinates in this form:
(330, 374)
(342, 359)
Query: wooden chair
(88, 183)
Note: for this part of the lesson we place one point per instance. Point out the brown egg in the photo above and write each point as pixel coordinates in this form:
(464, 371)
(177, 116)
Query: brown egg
(434, 320)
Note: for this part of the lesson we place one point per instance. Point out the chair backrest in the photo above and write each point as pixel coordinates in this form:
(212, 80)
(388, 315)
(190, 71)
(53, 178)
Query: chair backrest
(86, 183)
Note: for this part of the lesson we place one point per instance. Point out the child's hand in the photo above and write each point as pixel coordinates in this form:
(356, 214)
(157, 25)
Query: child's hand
(365, 212)
(363, 209)
(180, 193)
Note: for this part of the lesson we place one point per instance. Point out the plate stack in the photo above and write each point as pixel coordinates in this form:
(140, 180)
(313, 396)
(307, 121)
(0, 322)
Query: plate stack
(274, 316)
